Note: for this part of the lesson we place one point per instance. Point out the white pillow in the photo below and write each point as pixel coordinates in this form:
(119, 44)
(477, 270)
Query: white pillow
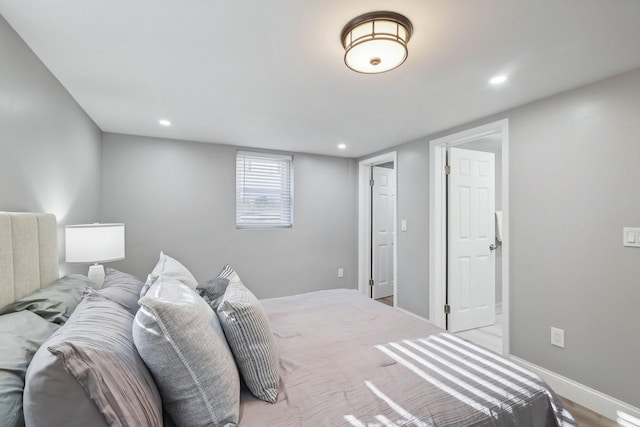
(170, 268)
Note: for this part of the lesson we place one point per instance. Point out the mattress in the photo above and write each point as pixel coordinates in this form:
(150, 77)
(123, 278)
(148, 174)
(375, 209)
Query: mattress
(348, 360)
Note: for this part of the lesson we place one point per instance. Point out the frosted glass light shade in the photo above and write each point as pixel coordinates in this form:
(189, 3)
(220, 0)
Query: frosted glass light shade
(89, 243)
(376, 42)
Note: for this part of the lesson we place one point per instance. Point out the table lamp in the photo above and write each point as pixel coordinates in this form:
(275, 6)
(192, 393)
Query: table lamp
(94, 243)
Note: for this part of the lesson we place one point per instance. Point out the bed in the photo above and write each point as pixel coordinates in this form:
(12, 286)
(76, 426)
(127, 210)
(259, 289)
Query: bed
(342, 359)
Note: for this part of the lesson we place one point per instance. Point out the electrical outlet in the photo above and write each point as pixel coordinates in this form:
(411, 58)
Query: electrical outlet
(557, 337)
(341, 272)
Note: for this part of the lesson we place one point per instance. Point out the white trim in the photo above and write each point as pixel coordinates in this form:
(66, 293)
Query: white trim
(437, 239)
(364, 203)
(247, 153)
(601, 403)
(413, 314)
(437, 219)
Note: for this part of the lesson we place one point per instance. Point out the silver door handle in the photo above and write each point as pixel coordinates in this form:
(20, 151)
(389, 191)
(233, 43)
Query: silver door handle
(492, 247)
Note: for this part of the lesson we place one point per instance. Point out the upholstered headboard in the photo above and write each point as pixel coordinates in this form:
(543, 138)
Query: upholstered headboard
(28, 253)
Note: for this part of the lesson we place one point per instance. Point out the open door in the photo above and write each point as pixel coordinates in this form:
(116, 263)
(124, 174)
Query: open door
(471, 283)
(382, 205)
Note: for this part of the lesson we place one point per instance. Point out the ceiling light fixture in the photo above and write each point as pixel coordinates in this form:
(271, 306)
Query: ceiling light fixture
(376, 42)
(497, 80)
(164, 122)
(342, 146)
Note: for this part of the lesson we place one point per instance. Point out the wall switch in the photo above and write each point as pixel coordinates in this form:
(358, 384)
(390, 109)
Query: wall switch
(341, 272)
(403, 225)
(631, 237)
(557, 337)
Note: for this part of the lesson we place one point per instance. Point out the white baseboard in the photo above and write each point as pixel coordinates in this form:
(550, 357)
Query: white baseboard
(601, 403)
(412, 314)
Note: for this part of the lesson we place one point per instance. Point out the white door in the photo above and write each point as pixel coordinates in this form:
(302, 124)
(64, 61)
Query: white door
(383, 202)
(471, 283)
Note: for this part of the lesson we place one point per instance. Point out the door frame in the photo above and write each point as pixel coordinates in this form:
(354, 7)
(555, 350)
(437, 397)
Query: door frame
(364, 222)
(438, 219)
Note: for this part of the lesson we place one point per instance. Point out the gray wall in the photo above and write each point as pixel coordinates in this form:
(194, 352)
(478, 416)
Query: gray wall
(574, 185)
(413, 206)
(412, 174)
(179, 197)
(50, 148)
(574, 178)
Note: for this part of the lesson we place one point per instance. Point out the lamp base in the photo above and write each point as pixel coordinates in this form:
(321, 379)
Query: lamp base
(96, 274)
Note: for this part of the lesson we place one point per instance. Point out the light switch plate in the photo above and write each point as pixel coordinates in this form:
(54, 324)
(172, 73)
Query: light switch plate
(403, 225)
(557, 337)
(631, 237)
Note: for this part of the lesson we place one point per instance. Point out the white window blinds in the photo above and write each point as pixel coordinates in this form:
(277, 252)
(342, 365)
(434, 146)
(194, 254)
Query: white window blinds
(264, 190)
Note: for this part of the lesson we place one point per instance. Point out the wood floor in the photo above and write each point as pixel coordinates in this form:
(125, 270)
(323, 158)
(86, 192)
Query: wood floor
(386, 300)
(586, 417)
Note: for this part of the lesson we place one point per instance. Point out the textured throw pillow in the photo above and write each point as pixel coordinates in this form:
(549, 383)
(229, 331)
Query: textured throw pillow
(89, 373)
(56, 301)
(179, 338)
(249, 334)
(170, 268)
(213, 290)
(122, 288)
(20, 336)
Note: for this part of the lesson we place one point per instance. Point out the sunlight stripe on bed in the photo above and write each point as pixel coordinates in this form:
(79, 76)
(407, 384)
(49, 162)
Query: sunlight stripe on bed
(506, 367)
(441, 385)
(466, 373)
(477, 367)
(410, 418)
(386, 421)
(461, 382)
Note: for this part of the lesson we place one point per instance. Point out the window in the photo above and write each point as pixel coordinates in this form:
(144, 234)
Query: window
(264, 190)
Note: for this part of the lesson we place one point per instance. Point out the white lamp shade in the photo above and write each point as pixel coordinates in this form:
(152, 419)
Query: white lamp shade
(89, 243)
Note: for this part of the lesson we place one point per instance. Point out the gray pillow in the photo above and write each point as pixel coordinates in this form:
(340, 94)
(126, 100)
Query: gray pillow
(213, 290)
(122, 288)
(179, 338)
(20, 336)
(90, 374)
(249, 335)
(56, 301)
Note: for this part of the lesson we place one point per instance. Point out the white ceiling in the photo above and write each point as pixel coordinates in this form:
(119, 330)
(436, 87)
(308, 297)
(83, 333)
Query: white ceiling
(270, 74)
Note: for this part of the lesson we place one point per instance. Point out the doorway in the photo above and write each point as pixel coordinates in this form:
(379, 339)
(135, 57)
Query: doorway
(377, 217)
(490, 245)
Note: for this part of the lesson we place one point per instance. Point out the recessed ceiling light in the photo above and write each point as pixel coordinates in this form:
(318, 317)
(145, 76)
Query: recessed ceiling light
(342, 146)
(164, 122)
(496, 80)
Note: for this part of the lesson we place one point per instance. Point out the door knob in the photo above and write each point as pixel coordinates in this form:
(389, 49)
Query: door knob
(492, 247)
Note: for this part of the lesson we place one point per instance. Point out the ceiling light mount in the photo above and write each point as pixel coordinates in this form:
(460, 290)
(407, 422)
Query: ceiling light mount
(376, 42)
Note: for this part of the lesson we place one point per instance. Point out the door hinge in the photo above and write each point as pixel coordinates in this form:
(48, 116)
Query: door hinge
(447, 309)
(371, 282)
(371, 182)
(447, 170)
